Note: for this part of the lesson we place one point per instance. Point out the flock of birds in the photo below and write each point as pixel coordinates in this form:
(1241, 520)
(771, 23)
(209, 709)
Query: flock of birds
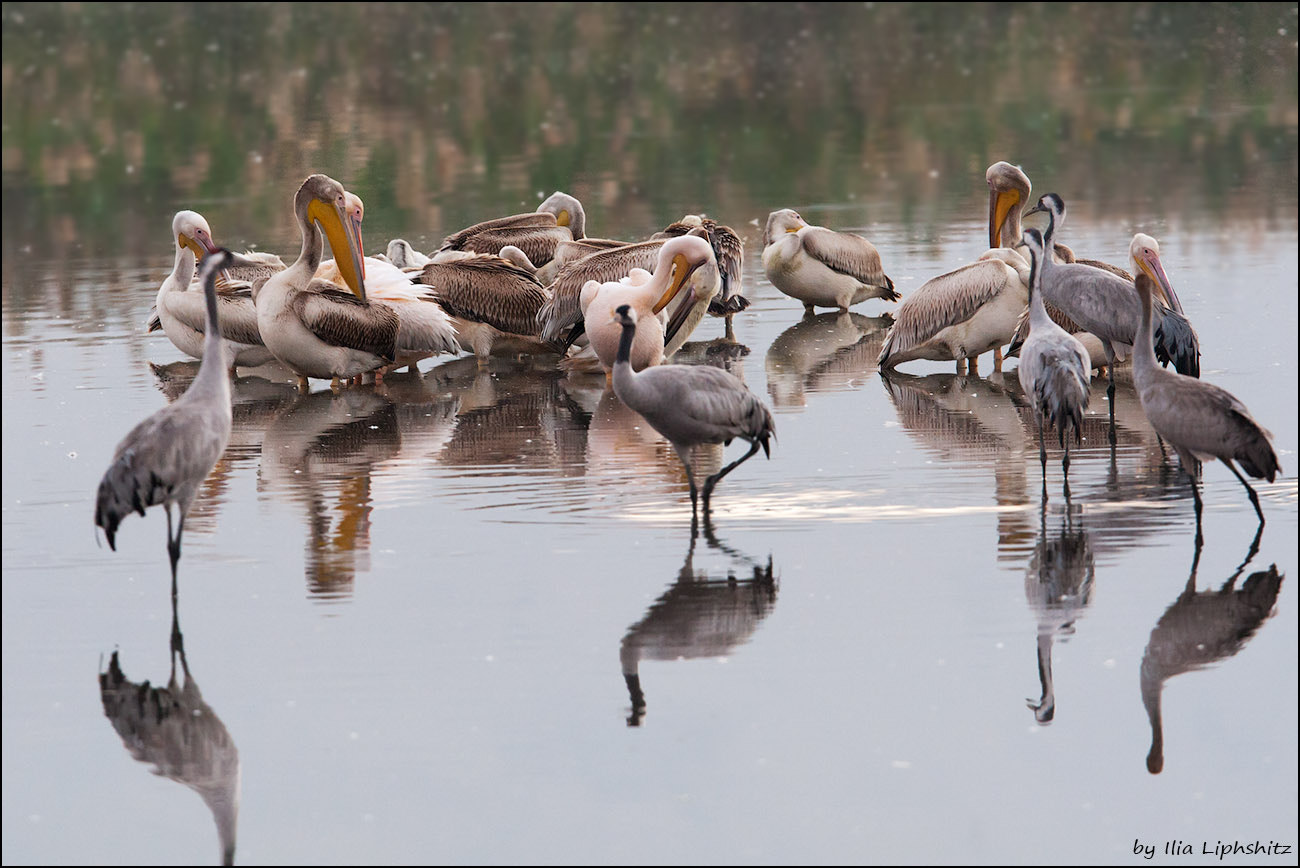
(536, 283)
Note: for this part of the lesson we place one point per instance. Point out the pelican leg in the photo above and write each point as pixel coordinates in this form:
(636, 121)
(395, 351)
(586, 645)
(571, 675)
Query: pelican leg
(1254, 498)
(961, 366)
(303, 385)
(335, 386)
(715, 478)
(997, 358)
(973, 366)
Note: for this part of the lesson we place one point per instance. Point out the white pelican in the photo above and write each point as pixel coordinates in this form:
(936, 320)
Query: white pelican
(491, 301)
(561, 317)
(312, 326)
(728, 249)
(690, 404)
(182, 313)
(1053, 367)
(678, 260)
(166, 457)
(821, 267)
(425, 329)
(972, 310)
(1200, 420)
(559, 218)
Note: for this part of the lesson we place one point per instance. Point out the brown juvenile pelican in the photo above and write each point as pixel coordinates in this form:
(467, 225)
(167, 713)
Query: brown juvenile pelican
(1053, 367)
(728, 249)
(166, 457)
(181, 312)
(1181, 339)
(490, 300)
(1200, 420)
(690, 404)
(571, 251)
(559, 218)
(678, 259)
(1107, 306)
(311, 325)
(821, 267)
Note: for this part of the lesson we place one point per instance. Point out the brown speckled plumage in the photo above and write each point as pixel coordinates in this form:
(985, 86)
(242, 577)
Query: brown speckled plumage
(340, 318)
(487, 289)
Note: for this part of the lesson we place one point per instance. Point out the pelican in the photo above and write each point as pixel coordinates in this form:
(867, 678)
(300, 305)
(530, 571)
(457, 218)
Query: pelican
(821, 267)
(182, 314)
(403, 255)
(728, 249)
(489, 299)
(972, 310)
(1182, 337)
(1200, 420)
(424, 328)
(1106, 305)
(678, 260)
(1053, 367)
(561, 317)
(559, 218)
(690, 404)
(165, 458)
(312, 326)
(572, 251)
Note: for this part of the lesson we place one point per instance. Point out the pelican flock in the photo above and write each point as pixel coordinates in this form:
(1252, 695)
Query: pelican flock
(535, 285)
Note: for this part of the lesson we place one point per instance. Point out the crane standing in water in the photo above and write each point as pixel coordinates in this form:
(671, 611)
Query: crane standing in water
(166, 457)
(1200, 420)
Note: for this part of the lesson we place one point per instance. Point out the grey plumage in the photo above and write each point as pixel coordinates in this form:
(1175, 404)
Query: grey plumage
(1054, 365)
(691, 404)
(1200, 420)
(165, 457)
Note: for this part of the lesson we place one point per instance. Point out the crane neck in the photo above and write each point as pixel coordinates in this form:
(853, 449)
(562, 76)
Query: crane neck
(624, 377)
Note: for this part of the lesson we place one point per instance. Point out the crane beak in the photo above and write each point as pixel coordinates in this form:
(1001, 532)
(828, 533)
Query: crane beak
(1151, 266)
(1000, 204)
(343, 242)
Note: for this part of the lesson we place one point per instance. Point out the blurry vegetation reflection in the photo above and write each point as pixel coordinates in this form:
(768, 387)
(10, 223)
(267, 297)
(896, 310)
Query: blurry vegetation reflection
(442, 114)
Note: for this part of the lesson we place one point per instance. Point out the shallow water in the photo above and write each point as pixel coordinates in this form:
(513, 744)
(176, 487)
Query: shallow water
(462, 617)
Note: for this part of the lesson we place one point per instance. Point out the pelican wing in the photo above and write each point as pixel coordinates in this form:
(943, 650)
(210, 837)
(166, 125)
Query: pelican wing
(487, 289)
(562, 312)
(945, 301)
(339, 318)
(536, 219)
(235, 312)
(846, 253)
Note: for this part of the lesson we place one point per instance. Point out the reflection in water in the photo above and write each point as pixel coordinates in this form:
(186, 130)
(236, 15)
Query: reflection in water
(320, 452)
(973, 421)
(1199, 629)
(1058, 586)
(823, 353)
(698, 616)
(174, 730)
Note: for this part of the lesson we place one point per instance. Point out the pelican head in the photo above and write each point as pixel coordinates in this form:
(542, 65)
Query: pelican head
(512, 254)
(1008, 190)
(323, 201)
(192, 231)
(678, 259)
(785, 220)
(1145, 253)
(568, 212)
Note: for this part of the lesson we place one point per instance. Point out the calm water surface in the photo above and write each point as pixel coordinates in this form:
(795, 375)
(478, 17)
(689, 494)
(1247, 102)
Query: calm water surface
(462, 616)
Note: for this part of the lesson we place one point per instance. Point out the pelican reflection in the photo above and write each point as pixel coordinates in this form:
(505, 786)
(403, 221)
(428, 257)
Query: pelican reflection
(1058, 587)
(320, 452)
(704, 613)
(1200, 629)
(175, 731)
(828, 352)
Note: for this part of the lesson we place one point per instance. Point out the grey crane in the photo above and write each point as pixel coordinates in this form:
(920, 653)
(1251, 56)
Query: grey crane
(1200, 420)
(1106, 305)
(166, 457)
(1054, 366)
(691, 404)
